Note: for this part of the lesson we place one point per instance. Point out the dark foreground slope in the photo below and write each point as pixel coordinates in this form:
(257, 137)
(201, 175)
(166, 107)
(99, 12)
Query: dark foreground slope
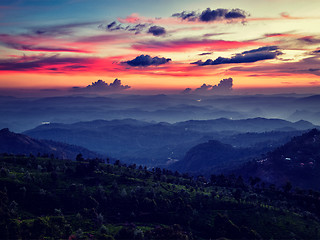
(14, 143)
(90, 200)
(297, 161)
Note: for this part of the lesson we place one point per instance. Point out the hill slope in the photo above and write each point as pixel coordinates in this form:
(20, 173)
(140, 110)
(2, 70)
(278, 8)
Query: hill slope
(297, 161)
(91, 200)
(211, 157)
(13, 143)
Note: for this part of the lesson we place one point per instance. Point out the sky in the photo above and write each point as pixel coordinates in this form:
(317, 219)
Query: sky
(160, 45)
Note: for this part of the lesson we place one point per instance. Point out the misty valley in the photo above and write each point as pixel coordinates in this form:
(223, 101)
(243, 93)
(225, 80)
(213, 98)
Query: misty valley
(160, 167)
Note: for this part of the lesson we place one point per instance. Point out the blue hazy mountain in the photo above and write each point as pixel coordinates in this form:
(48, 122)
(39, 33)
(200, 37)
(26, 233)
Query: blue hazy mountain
(21, 114)
(161, 143)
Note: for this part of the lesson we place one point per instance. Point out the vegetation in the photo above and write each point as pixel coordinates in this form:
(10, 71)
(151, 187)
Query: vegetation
(296, 161)
(45, 198)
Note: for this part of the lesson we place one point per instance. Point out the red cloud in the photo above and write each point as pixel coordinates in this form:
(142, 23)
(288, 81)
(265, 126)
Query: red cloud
(133, 18)
(61, 65)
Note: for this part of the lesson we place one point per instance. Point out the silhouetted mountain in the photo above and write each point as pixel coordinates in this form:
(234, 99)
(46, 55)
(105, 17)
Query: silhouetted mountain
(210, 157)
(296, 161)
(13, 143)
(158, 143)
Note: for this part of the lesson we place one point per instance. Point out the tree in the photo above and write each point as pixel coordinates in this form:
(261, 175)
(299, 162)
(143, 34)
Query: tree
(237, 194)
(79, 158)
(287, 187)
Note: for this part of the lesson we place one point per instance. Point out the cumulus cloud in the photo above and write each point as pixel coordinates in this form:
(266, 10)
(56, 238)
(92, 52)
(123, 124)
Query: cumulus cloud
(187, 90)
(259, 54)
(204, 88)
(223, 87)
(146, 60)
(209, 15)
(102, 86)
(157, 31)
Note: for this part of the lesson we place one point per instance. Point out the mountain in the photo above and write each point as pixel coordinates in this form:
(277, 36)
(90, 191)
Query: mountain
(154, 144)
(23, 113)
(214, 157)
(245, 125)
(296, 161)
(13, 143)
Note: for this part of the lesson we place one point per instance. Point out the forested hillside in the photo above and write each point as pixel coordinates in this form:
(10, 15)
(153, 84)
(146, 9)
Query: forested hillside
(87, 199)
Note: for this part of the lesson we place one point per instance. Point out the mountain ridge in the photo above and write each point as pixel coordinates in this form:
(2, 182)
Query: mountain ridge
(295, 162)
(15, 143)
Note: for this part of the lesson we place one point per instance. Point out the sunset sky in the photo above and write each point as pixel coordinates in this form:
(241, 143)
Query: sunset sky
(160, 44)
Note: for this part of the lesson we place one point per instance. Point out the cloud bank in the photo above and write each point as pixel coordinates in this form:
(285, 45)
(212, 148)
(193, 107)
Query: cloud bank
(259, 54)
(136, 28)
(101, 86)
(146, 60)
(209, 15)
(224, 87)
(157, 31)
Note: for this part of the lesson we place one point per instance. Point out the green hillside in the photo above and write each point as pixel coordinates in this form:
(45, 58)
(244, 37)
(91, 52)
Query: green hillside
(43, 198)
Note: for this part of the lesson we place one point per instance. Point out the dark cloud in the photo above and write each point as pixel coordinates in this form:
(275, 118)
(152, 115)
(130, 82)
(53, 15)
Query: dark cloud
(17, 42)
(313, 69)
(224, 87)
(157, 31)
(23, 47)
(111, 25)
(136, 28)
(146, 60)
(316, 52)
(190, 16)
(307, 65)
(207, 35)
(114, 26)
(309, 40)
(209, 15)
(262, 49)
(205, 53)
(102, 86)
(39, 62)
(259, 54)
